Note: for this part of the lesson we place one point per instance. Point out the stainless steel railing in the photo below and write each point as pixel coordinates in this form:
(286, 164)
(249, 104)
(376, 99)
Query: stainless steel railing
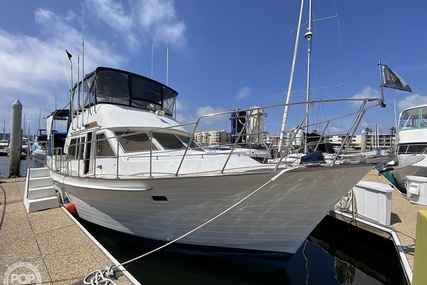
(80, 164)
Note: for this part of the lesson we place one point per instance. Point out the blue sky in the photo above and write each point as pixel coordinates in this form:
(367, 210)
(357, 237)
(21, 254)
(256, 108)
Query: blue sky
(223, 54)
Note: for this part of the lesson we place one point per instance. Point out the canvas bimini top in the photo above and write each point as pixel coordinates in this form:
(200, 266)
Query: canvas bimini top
(114, 86)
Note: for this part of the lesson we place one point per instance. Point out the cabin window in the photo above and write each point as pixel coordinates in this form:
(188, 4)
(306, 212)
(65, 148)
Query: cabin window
(80, 147)
(112, 87)
(424, 117)
(72, 148)
(409, 119)
(411, 148)
(168, 141)
(168, 100)
(103, 146)
(79, 96)
(90, 96)
(146, 94)
(186, 141)
(135, 142)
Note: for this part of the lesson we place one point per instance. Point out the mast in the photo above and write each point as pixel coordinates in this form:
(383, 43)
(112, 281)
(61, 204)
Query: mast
(308, 35)
(167, 50)
(78, 92)
(380, 69)
(291, 79)
(40, 115)
(4, 128)
(71, 87)
(83, 65)
(152, 59)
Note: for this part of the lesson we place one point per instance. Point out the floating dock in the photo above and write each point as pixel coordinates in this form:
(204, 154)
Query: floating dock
(403, 223)
(48, 246)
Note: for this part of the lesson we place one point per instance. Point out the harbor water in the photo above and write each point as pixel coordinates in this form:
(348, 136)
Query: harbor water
(334, 253)
(4, 166)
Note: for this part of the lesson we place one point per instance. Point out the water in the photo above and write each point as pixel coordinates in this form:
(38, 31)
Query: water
(335, 253)
(4, 166)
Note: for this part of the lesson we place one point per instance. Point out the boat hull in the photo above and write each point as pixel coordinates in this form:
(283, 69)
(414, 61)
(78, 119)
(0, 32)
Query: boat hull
(264, 212)
(39, 156)
(409, 165)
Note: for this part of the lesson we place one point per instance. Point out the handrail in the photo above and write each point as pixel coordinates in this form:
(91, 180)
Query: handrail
(289, 141)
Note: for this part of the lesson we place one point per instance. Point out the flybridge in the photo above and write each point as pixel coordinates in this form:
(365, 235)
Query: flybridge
(113, 86)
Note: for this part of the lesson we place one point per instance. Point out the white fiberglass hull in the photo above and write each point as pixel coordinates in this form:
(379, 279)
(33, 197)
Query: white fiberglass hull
(39, 155)
(276, 218)
(410, 164)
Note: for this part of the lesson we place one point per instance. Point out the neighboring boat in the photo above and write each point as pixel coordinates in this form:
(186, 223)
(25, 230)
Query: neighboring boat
(411, 145)
(39, 146)
(25, 147)
(4, 145)
(128, 165)
(257, 151)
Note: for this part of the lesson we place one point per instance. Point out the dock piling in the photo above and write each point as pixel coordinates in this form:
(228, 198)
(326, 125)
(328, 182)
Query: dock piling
(15, 139)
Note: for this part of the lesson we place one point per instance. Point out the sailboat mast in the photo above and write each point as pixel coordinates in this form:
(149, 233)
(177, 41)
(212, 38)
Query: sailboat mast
(308, 35)
(167, 50)
(4, 128)
(291, 79)
(83, 66)
(40, 115)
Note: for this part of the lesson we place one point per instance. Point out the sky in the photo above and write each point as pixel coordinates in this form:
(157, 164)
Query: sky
(219, 55)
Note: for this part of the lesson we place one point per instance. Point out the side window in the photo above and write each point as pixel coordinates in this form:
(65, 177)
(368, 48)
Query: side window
(103, 146)
(80, 147)
(423, 117)
(186, 140)
(135, 142)
(72, 148)
(168, 141)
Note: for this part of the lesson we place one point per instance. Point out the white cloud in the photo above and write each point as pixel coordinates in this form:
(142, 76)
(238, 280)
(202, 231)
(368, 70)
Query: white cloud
(206, 110)
(214, 122)
(142, 21)
(244, 92)
(410, 101)
(367, 92)
(158, 19)
(35, 67)
(115, 15)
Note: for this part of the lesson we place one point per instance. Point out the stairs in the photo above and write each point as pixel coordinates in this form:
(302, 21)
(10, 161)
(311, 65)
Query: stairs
(39, 191)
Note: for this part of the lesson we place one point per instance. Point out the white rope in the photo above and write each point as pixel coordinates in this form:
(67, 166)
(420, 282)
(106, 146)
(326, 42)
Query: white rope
(98, 277)
(207, 222)
(346, 202)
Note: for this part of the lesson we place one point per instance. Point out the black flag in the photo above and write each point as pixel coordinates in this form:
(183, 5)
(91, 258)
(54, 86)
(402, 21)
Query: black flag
(69, 55)
(392, 80)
